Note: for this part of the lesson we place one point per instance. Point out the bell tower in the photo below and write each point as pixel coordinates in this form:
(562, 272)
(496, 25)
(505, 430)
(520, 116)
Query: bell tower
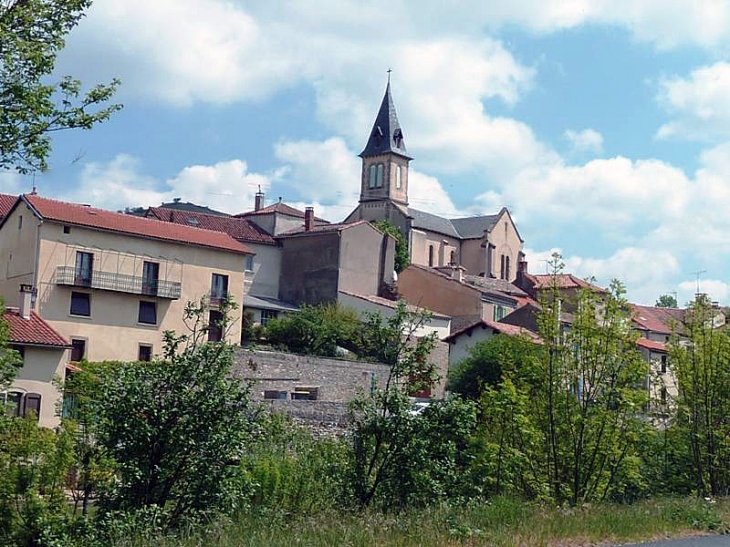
(385, 158)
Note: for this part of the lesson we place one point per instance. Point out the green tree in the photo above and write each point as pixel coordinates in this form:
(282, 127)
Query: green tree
(666, 301)
(701, 364)
(402, 256)
(32, 33)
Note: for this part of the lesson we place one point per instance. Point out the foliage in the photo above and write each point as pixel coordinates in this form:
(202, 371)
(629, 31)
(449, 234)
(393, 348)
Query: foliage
(568, 424)
(666, 301)
(33, 464)
(402, 256)
(701, 365)
(316, 330)
(292, 472)
(486, 361)
(32, 33)
(175, 429)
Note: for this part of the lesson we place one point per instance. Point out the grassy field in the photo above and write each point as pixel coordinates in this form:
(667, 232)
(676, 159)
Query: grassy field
(502, 522)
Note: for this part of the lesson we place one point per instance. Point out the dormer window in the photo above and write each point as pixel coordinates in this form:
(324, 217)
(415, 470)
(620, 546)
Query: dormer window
(398, 138)
(378, 136)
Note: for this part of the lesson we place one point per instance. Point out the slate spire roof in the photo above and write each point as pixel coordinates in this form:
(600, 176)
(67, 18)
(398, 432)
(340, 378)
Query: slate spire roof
(386, 135)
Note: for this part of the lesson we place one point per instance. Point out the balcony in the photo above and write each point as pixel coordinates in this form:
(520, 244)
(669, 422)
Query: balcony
(215, 300)
(111, 281)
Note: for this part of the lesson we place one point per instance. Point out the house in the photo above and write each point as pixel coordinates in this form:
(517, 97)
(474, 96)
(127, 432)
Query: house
(463, 340)
(279, 217)
(487, 245)
(568, 285)
(112, 283)
(43, 352)
(464, 298)
(262, 267)
(320, 261)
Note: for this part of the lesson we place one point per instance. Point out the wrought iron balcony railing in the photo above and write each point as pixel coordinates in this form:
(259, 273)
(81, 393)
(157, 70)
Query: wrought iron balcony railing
(111, 281)
(215, 300)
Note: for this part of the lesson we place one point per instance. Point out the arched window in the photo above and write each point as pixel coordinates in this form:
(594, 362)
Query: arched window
(452, 259)
(379, 181)
(506, 268)
(430, 256)
(501, 267)
(398, 175)
(373, 176)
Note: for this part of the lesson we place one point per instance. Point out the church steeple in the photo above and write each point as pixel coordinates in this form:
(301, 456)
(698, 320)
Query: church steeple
(386, 135)
(385, 158)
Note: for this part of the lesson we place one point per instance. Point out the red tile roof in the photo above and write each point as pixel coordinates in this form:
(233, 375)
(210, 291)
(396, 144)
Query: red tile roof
(500, 328)
(81, 215)
(652, 345)
(563, 281)
(32, 331)
(660, 320)
(6, 203)
(240, 229)
(281, 208)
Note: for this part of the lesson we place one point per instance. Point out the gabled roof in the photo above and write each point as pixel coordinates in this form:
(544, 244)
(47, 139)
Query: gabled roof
(240, 229)
(6, 204)
(33, 331)
(386, 135)
(324, 229)
(91, 217)
(494, 284)
(500, 328)
(281, 208)
(562, 281)
(192, 207)
(660, 320)
(459, 228)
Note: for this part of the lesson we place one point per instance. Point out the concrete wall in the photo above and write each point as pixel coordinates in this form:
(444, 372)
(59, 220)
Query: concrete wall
(506, 242)
(473, 256)
(434, 291)
(40, 366)
(310, 269)
(112, 331)
(366, 259)
(460, 347)
(264, 279)
(442, 245)
(18, 250)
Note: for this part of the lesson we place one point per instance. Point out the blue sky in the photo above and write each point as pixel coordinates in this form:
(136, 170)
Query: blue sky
(603, 126)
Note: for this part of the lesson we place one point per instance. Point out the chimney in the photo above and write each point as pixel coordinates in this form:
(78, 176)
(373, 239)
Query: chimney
(259, 203)
(308, 218)
(457, 272)
(520, 280)
(26, 297)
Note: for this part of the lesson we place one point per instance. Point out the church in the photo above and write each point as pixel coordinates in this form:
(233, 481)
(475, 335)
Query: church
(487, 245)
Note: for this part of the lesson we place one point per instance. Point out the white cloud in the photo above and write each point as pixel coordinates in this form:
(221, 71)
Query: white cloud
(716, 289)
(699, 103)
(226, 186)
(13, 183)
(587, 140)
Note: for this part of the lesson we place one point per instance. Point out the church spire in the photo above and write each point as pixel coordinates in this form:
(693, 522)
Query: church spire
(386, 135)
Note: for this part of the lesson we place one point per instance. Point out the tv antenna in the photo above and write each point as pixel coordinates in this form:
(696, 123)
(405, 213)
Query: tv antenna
(697, 275)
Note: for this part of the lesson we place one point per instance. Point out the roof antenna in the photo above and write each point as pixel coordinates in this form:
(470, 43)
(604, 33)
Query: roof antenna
(389, 71)
(33, 191)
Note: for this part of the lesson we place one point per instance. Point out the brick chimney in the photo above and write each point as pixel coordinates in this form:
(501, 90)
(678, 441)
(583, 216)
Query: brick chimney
(25, 301)
(308, 218)
(259, 203)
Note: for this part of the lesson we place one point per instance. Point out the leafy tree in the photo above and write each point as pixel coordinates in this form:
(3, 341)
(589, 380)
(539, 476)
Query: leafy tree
(666, 301)
(701, 364)
(175, 429)
(32, 33)
(486, 361)
(316, 330)
(402, 257)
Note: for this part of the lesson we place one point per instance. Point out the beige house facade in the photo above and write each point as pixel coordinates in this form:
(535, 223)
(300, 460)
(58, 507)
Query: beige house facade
(112, 284)
(487, 245)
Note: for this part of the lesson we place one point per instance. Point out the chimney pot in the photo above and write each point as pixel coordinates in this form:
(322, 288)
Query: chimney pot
(26, 298)
(308, 218)
(259, 203)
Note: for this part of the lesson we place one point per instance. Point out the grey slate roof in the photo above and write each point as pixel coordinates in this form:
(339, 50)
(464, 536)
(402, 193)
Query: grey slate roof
(460, 228)
(192, 207)
(493, 284)
(267, 303)
(386, 135)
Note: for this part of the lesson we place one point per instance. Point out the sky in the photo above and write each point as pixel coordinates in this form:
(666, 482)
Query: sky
(604, 126)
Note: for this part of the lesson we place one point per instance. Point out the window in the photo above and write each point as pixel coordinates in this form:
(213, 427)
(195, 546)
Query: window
(501, 267)
(664, 364)
(145, 353)
(452, 258)
(249, 263)
(20, 222)
(379, 181)
(305, 393)
(663, 395)
(84, 268)
(14, 400)
(430, 256)
(268, 315)
(398, 174)
(506, 268)
(499, 312)
(373, 176)
(215, 329)
(150, 278)
(32, 405)
(78, 350)
(81, 304)
(147, 312)
(67, 229)
(23, 404)
(219, 287)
